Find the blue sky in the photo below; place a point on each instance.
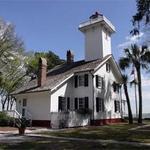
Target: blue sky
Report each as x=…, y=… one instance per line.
x=53, y=25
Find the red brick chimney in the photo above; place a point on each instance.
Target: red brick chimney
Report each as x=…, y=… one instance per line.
x=70, y=57
x=42, y=71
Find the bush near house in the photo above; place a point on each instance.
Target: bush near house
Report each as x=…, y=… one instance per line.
x=6, y=120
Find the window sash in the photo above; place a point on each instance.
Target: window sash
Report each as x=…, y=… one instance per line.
x=81, y=103
x=107, y=67
x=99, y=82
x=99, y=104
x=117, y=106
x=81, y=80
x=24, y=103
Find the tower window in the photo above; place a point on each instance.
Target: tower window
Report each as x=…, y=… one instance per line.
x=108, y=67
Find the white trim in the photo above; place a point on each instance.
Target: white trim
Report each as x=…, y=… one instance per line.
x=102, y=63
x=55, y=88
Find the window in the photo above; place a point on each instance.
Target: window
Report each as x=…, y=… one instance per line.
x=24, y=102
x=107, y=67
x=116, y=87
x=99, y=104
x=99, y=82
x=63, y=103
x=81, y=80
x=117, y=106
x=81, y=103
x=23, y=112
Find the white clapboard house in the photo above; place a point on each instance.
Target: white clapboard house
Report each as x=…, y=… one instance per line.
x=80, y=93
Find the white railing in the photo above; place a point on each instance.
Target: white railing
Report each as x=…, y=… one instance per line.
x=13, y=113
x=16, y=115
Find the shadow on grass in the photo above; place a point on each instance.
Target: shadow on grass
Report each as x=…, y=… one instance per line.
x=53, y=144
x=119, y=132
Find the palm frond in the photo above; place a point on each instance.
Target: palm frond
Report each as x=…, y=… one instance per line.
x=124, y=63
x=135, y=50
x=145, y=57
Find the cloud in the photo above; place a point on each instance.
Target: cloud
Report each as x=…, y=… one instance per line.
x=142, y=39
x=136, y=39
x=145, y=81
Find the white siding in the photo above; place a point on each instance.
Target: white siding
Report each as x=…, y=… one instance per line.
x=106, y=42
x=93, y=44
x=107, y=93
x=68, y=90
x=38, y=104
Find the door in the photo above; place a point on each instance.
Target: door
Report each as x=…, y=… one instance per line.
x=24, y=107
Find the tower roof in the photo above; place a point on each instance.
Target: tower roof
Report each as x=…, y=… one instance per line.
x=97, y=19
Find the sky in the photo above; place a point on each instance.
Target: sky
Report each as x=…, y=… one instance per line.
x=53, y=25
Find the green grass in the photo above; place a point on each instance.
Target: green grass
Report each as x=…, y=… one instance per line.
x=119, y=132
x=53, y=144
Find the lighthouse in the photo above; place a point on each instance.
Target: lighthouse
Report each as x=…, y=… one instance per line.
x=97, y=31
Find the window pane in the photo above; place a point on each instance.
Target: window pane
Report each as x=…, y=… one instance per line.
x=61, y=103
x=81, y=80
x=24, y=102
x=81, y=103
x=107, y=67
x=99, y=104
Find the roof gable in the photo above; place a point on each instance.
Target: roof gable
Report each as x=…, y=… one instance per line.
x=59, y=74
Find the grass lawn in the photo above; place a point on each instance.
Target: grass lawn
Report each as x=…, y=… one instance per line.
x=53, y=144
x=117, y=132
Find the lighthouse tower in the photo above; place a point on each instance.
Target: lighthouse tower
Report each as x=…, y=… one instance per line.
x=97, y=31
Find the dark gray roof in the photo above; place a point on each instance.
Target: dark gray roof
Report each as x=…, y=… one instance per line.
x=58, y=74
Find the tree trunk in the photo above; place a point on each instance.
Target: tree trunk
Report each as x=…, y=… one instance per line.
x=8, y=102
x=140, y=94
x=128, y=104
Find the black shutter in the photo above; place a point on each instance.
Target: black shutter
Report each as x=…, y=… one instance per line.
x=103, y=106
x=76, y=81
x=97, y=104
x=114, y=86
x=68, y=103
x=86, y=102
x=115, y=102
x=59, y=103
x=118, y=106
x=96, y=80
x=86, y=79
x=76, y=103
x=103, y=83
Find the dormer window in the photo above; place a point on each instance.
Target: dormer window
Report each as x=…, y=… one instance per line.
x=107, y=67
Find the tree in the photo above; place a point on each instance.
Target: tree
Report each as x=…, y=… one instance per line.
x=11, y=62
x=33, y=59
x=125, y=79
x=143, y=12
x=140, y=58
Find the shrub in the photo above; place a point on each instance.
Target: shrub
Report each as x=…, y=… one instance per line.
x=6, y=120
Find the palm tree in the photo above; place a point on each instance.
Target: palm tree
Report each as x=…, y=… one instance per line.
x=139, y=58
x=125, y=79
